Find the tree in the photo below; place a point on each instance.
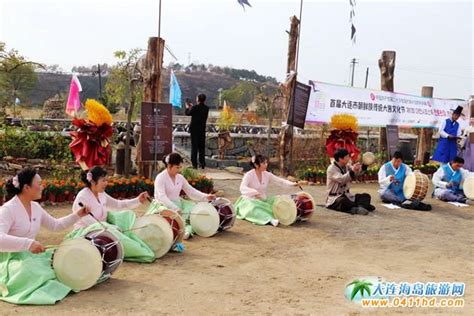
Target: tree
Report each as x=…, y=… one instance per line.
x=118, y=89
x=125, y=84
x=91, y=70
x=242, y=94
x=264, y=99
x=54, y=68
x=17, y=77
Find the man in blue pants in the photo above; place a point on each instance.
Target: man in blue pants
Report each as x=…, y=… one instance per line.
x=449, y=132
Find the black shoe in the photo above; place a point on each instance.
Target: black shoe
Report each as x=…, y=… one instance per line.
x=416, y=206
x=370, y=208
x=203, y=167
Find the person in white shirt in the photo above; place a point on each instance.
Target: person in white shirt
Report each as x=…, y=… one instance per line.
x=391, y=178
x=26, y=275
x=168, y=186
x=448, y=179
x=254, y=205
x=94, y=196
x=110, y=212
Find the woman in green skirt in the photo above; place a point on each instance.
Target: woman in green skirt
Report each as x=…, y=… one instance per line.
x=254, y=205
x=26, y=275
x=168, y=186
x=119, y=222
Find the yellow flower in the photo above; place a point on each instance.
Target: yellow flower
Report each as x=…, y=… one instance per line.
x=97, y=113
x=344, y=121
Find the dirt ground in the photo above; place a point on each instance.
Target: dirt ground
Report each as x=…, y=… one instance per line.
x=301, y=269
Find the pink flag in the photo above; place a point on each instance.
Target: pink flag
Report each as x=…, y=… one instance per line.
x=73, y=101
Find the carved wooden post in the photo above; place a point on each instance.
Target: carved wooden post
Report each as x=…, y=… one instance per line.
x=387, y=68
x=425, y=136
x=152, y=88
x=287, y=90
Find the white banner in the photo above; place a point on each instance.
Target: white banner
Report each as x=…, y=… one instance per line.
x=379, y=108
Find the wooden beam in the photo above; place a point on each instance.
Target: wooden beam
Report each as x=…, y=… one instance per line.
x=286, y=88
x=425, y=136
x=152, y=89
x=387, y=69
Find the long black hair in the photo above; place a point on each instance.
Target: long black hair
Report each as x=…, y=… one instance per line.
x=16, y=184
x=96, y=173
x=257, y=160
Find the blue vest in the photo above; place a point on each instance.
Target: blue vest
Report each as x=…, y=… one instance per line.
x=447, y=148
x=397, y=185
x=455, y=177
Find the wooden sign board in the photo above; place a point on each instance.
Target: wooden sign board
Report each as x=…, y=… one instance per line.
x=299, y=105
x=392, y=139
x=156, y=130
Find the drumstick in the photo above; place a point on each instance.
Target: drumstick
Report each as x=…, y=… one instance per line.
x=101, y=224
x=299, y=186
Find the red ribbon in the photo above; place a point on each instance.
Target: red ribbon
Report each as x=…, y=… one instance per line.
x=90, y=144
x=343, y=139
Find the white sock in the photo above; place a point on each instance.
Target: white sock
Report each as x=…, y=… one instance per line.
x=275, y=222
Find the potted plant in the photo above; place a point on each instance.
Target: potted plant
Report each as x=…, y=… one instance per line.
x=69, y=191
x=226, y=119
x=122, y=189
x=60, y=195
x=203, y=184
x=51, y=191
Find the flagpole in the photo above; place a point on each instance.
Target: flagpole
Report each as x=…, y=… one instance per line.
x=159, y=19
x=155, y=153
x=299, y=36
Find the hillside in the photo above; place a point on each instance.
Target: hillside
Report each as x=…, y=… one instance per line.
x=191, y=82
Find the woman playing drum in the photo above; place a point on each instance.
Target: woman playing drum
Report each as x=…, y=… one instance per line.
x=120, y=222
x=168, y=186
x=26, y=274
x=254, y=205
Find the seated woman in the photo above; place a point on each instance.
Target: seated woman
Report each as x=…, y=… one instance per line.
x=26, y=275
x=168, y=186
x=100, y=203
x=254, y=205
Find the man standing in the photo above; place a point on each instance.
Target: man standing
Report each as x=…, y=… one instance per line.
x=449, y=132
x=339, y=176
x=199, y=114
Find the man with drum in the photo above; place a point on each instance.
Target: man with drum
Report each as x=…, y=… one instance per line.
x=447, y=181
x=339, y=176
x=391, y=178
